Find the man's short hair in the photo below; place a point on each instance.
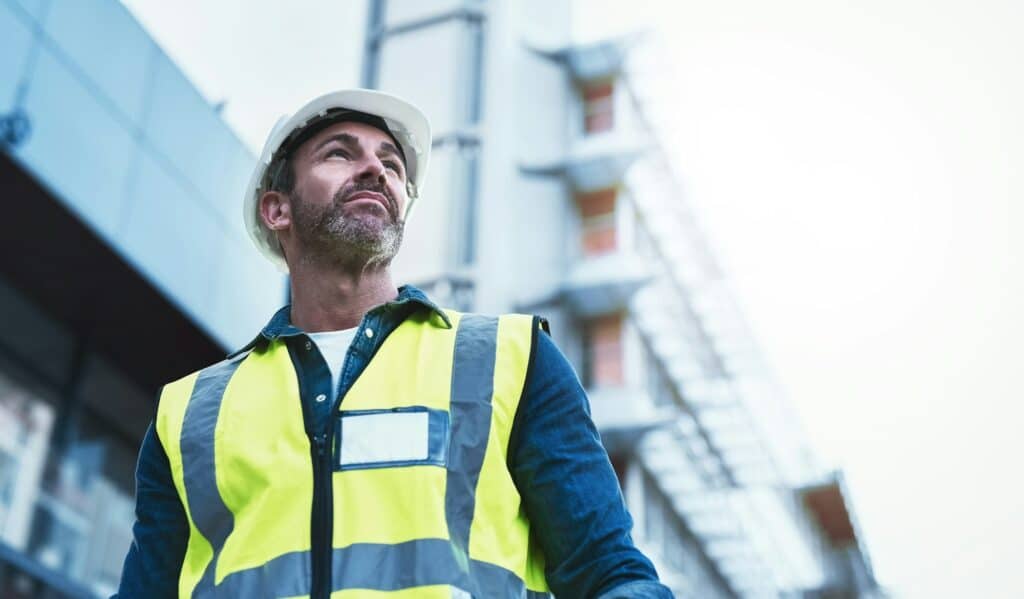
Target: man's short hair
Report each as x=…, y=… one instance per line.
x=281, y=174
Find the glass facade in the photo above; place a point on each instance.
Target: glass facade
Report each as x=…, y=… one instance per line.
x=129, y=267
x=70, y=421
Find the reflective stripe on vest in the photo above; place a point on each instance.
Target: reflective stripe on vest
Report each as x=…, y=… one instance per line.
x=213, y=519
x=465, y=564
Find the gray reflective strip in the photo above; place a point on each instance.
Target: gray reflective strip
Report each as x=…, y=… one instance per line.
x=213, y=519
x=472, y=386
x=393, y=567
x=376, y=567
x=491, y=580
x=476, y=344
x=286, y=575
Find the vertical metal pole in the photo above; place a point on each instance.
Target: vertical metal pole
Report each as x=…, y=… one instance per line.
x=476, y=70
x=374, y=38
x=473, y=104
x=470, y=200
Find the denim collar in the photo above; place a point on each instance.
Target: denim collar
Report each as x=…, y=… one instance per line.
x=280, y=324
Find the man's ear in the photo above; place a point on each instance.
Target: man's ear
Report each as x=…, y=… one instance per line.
x=276, y=210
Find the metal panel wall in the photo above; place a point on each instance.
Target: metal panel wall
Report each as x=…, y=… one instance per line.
x=116, y=131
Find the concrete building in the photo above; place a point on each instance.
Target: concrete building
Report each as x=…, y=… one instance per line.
x=551, y=193
x=126, y=265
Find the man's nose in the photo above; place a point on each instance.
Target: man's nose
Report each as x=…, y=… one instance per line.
x=372, y=169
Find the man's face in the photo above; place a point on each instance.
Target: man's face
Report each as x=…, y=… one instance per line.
x=349, y=196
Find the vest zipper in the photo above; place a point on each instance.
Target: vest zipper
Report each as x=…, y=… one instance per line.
x=322, y=515
x=322, y=543
x=320, y=550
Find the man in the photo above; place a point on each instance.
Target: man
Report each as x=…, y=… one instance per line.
x=366, y=439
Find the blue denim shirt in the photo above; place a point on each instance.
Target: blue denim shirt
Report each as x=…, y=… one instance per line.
x=556, y=459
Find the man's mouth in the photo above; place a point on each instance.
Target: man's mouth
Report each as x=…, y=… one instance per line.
x=369, y=195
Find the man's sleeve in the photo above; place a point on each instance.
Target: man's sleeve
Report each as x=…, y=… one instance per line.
x=569, y=488
x=160, y=533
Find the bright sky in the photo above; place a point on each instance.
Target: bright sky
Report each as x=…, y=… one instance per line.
x=858, y=166
x=263, y=58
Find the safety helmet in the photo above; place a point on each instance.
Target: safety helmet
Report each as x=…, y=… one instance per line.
x=406, y=123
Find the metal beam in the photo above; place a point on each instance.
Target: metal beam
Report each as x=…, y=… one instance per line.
x=469, y=14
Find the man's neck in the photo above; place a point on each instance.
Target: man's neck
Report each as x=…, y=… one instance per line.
x=331, y=300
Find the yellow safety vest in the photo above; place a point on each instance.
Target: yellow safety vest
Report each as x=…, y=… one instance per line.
x=418, y=489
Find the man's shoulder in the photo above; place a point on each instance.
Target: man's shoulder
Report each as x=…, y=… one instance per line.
x=222, y=367
x=507, y=325
x=526, y=316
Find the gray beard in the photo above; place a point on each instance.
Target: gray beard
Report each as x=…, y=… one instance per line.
x=329, y=237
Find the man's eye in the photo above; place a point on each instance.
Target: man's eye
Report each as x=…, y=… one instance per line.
x=393, y=166
x=338, y=152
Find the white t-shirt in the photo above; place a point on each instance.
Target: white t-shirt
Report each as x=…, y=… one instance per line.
x=333, y=345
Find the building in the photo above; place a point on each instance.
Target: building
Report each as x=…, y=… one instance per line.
x=124, y=265
x=548, y=193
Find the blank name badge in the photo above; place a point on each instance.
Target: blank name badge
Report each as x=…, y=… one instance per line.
x=404, y=436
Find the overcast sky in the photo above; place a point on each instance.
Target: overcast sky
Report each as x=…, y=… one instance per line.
x=858, y=168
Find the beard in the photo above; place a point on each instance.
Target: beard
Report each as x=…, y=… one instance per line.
x=349, y=241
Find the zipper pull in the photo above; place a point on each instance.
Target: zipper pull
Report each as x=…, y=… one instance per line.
x=321, y=444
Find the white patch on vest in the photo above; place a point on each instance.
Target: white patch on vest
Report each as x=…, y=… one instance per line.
x=386, y=437
x=458, y=593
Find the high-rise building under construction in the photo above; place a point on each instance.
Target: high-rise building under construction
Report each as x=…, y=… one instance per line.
x=552, y=192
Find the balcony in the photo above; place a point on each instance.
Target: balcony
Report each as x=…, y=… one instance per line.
x=623, y=414
x=595, y=60
x=594, y=161
x=604, y=283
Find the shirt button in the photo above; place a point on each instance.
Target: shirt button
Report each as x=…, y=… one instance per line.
x=369, y=333
x=309, y=345
x=321, y=398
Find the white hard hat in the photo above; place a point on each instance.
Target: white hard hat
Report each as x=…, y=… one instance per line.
x=407, y=124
